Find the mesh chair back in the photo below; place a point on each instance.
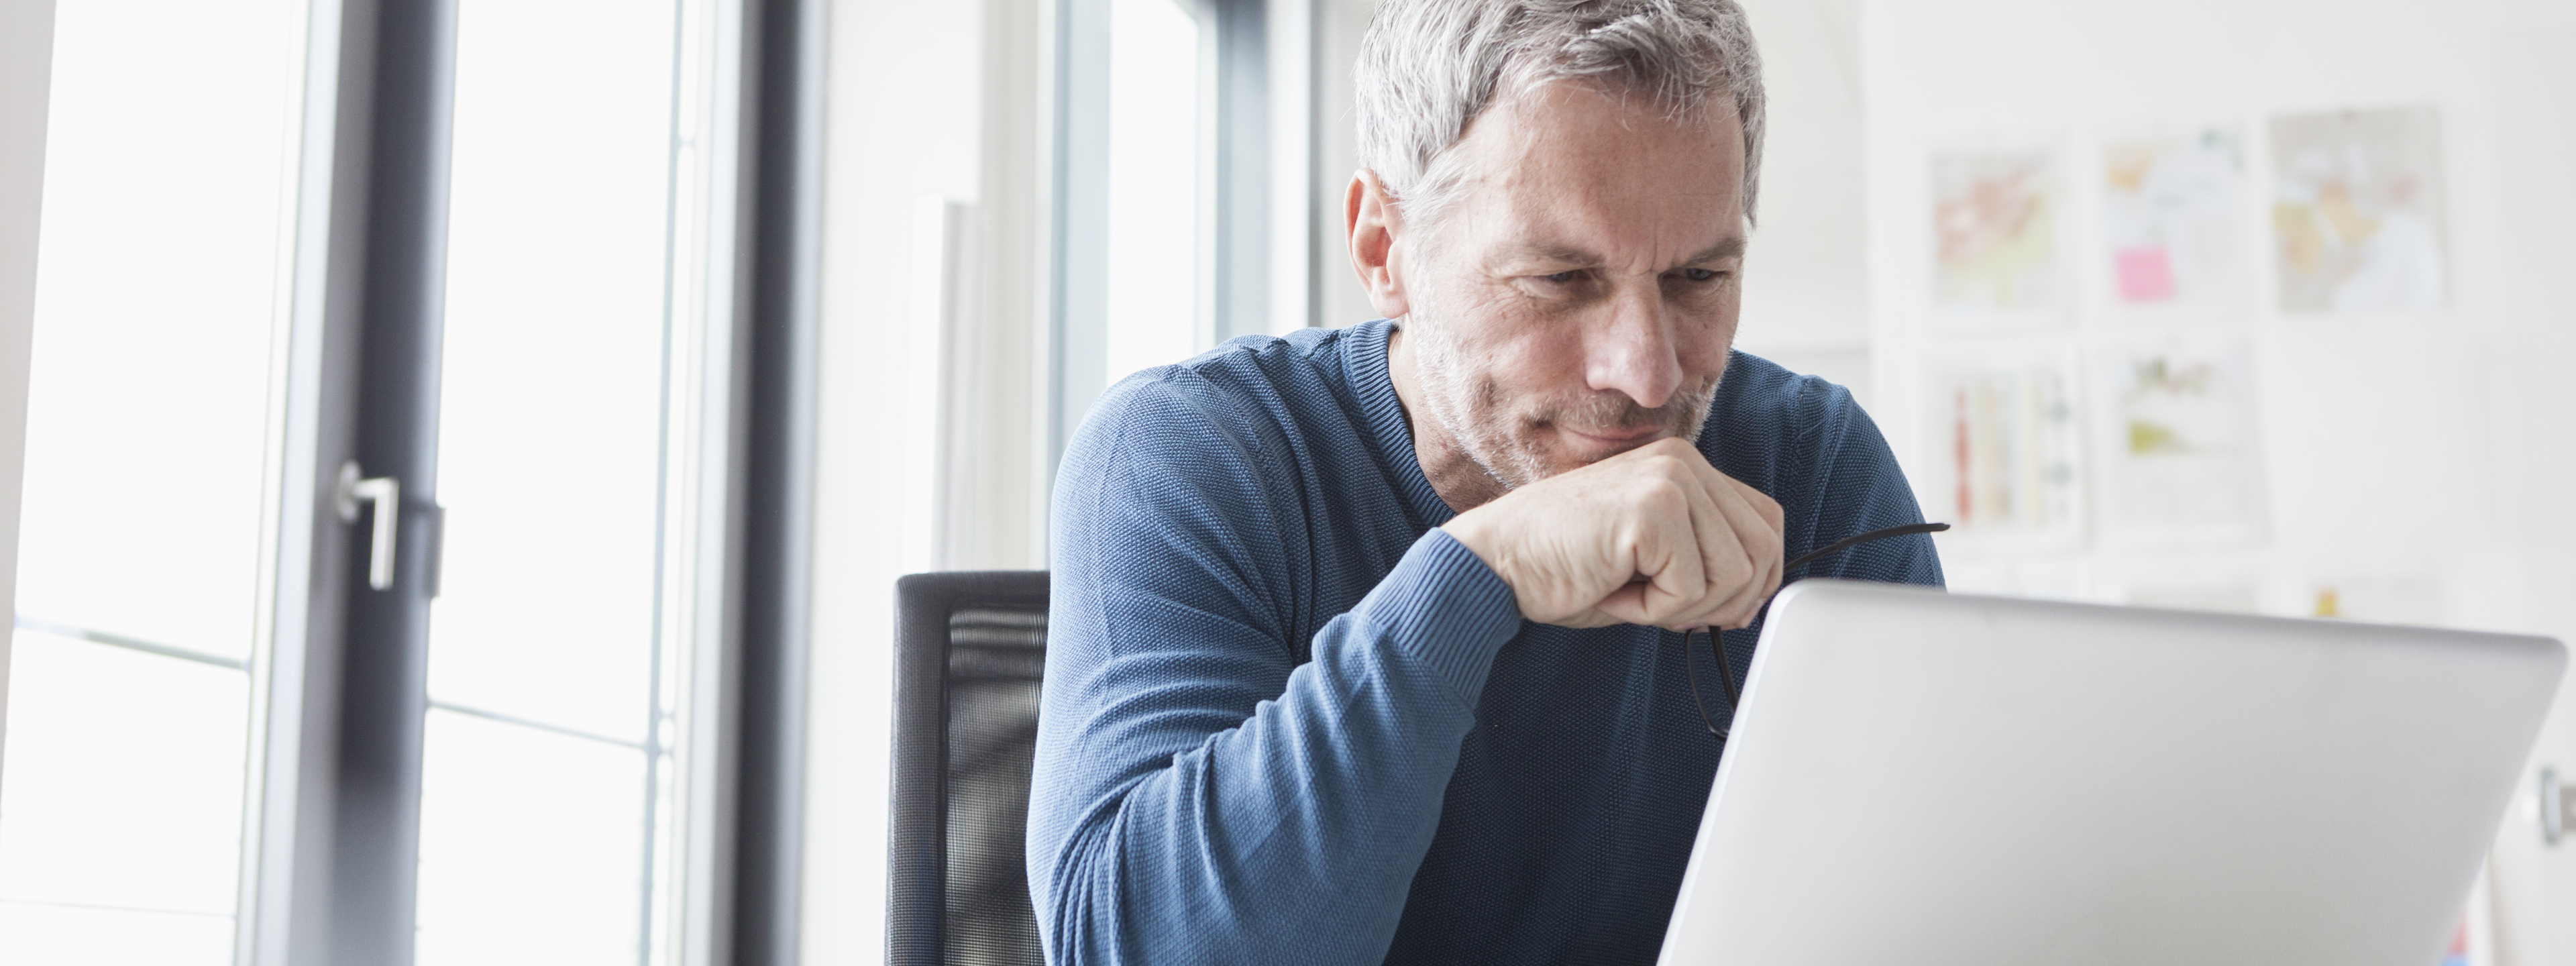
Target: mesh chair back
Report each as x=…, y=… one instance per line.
x=970, y=650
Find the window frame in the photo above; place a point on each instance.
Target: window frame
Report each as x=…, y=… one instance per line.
x=1255, y=59
x=330, y=843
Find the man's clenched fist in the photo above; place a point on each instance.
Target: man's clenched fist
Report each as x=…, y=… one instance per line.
x=1651, y=536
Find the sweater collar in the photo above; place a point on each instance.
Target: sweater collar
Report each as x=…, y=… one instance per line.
x=1389, y=434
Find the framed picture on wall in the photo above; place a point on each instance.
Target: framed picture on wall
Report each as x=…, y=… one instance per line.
x=1997, y=237
x=2357, y=211
x=2004, y=445
x=2180, y=460
x=2170, y=240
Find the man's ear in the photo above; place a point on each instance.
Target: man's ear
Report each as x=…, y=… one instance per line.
x=1373, y=222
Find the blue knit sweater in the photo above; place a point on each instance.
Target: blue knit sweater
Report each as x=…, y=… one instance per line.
x=1288, y=721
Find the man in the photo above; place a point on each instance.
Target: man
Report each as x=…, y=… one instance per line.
x=1365, y=643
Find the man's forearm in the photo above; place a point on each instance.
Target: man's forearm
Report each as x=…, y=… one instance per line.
x=1302, y=826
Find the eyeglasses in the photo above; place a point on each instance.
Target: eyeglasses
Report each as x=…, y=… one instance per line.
x=1725, y=671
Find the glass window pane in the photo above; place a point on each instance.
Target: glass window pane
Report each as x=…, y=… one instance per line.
x=161, y=270
x=125, y=779
x=167, y=180
x=529, y=847
x=1154, y=265
x=538, y=805
x=81, y=936
x=550, y=406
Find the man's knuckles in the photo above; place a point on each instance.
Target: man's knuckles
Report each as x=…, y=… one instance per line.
x=1661, y=497
x=1642, y=501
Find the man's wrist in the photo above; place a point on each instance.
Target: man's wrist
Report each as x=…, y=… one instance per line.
x=1443, y=607
x=1471, y=531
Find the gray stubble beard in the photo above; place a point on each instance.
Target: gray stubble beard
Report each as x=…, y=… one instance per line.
x=1452, y=397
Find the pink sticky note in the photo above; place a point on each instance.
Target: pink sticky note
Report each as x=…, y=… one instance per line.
x=2146, y=274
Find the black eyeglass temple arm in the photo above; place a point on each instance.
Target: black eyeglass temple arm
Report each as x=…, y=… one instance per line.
x=1716, y=651
x=1847, y=543
x=1691, y=672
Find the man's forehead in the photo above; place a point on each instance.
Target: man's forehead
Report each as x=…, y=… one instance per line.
x=1567, y=173
x=1574, y=123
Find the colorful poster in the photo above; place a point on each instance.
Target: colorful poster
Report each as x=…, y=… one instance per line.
x=2172, y=217
x=2181, y=462
x=2357, y=210
x=2007, y=451
x=1994, y=227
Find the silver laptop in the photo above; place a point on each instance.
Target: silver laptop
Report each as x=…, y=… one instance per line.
x=1927, y=778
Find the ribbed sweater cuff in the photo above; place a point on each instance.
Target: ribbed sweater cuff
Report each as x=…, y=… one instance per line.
x=1444, y=608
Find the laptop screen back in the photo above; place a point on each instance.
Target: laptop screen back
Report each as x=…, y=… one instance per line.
x=1924, y=778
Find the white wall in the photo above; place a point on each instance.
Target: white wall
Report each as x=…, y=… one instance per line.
x=2535, y=434
x=923, y=99
x=26, y=70
x=1806, y=282
x=2429, y=446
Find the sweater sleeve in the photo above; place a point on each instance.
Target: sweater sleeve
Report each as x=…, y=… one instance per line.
x=1199, y=794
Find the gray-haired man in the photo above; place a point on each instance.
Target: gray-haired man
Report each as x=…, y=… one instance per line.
x=1364, y=645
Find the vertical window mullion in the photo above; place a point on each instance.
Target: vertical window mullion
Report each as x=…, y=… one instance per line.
x=384, y=662
x=283, y=905
x=781, y=244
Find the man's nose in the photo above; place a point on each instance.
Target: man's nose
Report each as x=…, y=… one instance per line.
x=1631, y=350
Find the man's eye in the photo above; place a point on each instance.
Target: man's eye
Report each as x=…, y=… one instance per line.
x=1699, y=274
x=1561, y=278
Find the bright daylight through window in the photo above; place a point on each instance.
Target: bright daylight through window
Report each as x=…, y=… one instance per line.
x=566, y=774
x=1158, y=210
x=554, y=671
x=146, y=550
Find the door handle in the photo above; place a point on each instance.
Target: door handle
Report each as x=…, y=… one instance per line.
x=386, y=493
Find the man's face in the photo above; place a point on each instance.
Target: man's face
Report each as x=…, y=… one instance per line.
x=1578, y=299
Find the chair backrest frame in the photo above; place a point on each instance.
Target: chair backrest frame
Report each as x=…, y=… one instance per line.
x=918, y=834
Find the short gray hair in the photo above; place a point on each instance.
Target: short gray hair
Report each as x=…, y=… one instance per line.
x=1428, y=68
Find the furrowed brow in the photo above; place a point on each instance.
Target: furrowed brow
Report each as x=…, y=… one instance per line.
x=1725, y=248
x=1551, y=254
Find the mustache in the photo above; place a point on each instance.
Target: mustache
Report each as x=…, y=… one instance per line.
x=1612, y=412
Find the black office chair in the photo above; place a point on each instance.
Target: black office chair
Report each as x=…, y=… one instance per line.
x=970, y=649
